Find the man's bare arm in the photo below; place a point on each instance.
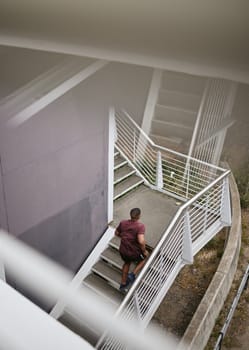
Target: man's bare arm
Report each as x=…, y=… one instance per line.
x=117, y=233
x=142, y=243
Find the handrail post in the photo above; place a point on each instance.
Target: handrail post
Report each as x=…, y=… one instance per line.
x=112, y=137
x=134, y=145
x=187, y=250
x=188, y=178
x=226, y=216
x=159, y=171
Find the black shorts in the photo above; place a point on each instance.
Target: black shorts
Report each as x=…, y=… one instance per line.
x=135, y=259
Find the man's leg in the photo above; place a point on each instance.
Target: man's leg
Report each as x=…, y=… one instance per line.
x=139, y=266
x=125, y=270
x=133, y=274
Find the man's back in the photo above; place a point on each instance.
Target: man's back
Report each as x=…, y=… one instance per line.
x=129, y=230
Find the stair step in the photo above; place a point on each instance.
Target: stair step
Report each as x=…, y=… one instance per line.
x=175, y=115
x=169, y=129
x=159, y=140
x=122, y=173
x=126, y=186
x=174, y=143
x=112, y=256
x=170, y=124
x=179, y=99
x=103, y=289
x=114, y=242
x=108, y=272
x=119, y=161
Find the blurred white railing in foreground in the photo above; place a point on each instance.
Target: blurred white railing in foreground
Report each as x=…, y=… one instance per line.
x=203, y=188
x=24, y=326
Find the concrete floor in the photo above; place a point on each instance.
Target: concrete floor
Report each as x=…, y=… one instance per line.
x=157, y=211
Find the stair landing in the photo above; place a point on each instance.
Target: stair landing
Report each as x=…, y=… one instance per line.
x=157, y=211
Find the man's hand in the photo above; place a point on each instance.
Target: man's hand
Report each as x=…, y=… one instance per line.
x=145, y=253
x=117, y=233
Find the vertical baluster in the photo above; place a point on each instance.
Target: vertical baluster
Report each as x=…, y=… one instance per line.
x=188, y=178
x=225, y=203
x=137, y=308
x=187, y=249
x=159, y=171
x=134, y=146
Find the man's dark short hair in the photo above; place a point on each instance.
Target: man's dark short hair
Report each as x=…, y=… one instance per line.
x=135, y=213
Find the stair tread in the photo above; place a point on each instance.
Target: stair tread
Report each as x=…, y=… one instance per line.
x=125, y=185
x=179, y=92
x=179, y=99
x=177, y=108
x=173, y=139
x=172, y=114
x=108, y=272
x=118, y=160
x=170, y=129
x=113, y=257
x=103, y=288
x=114, y=242
x=170, y=123
x=122, y=172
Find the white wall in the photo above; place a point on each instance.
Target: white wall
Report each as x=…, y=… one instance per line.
x=19, y=66
x=55, y=165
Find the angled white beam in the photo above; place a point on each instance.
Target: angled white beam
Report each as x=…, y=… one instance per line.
x=111, y=164
x=52, y=95
x=151, y=100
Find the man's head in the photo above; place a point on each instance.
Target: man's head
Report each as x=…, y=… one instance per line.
x=135, y=213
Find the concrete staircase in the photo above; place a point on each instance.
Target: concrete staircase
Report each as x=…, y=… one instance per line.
x=125, y=178
x=105, y=275
x=176, y=110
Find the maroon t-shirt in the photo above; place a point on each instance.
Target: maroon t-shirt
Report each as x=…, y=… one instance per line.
x=129, y=230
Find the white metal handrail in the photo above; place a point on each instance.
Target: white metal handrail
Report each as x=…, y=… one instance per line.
x=162, y=168
x=204, y=213
x=52, y=281
x=213, y=120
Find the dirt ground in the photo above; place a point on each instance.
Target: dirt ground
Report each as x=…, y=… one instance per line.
x=183, y=298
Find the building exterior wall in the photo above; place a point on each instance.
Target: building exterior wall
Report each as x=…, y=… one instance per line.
x=19, y=66
x=54, y=165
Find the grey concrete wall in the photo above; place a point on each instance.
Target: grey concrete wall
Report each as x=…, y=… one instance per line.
x=19, y=66
x=55, y=164
x=203, y=321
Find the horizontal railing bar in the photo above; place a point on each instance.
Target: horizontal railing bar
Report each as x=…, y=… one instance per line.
x=167, y=149
x=196, y=182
